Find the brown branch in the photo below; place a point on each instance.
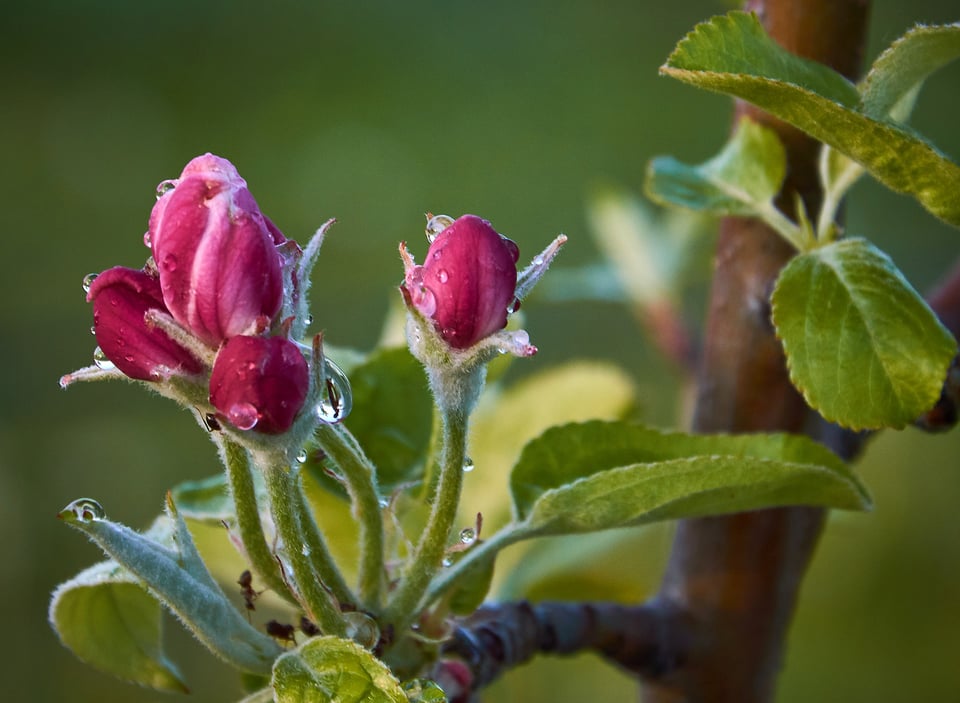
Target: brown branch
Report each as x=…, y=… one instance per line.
x=737, y=577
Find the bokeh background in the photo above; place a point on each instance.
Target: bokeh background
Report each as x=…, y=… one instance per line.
x=374, y=112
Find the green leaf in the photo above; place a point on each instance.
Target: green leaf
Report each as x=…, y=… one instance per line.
x=596, y=475
x=391, y=418
x=208, y=500
x=862, y=346
x=742, y=179
x=334, y=670
x=895, y=79
x=471, y=591
x=177, y=577
x=109, y=621
x=732, y=54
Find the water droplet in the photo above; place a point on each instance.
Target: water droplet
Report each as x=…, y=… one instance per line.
x=101, y=361
x=308, y=321
x=88, y=281
x=443, y=276
x=165, y=187
x=305, y=550
x=468, y=464
x=424, y=691
x=170, y=263
x=538, y=260
x=146, y=240
x=514, y=306
x=93, y=330
x=336, y=400
x=447, y=561
x=84, y=510
x=468, y=535
x=501, y=350
x=302, y=456
x=243, y=416
x=383, y=503
x=436, y=224
x=361, y=628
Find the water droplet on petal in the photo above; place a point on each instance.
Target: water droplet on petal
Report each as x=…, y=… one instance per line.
x=101, y=361
x=468, y=535
x=336, y=400
x=93, y=330
x=165, y=187
x=146, y=240
x=426, y=302
x=443, y=276
x=468, y=464
x=424, y=691
x=243, y=416
x=361, y=628
x=436, y=224
x=169, y=263
x=88, y=281
x=84, y=510
x=302, y=456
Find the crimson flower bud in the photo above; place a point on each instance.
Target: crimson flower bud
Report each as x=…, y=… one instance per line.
x=220, y=271
x=259, y=382
x=121, y=298
x=467, y=282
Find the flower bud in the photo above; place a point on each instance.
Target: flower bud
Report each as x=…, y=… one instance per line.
x=220, y=271
x=121, y=298
x=466, y=283
x=259, y=383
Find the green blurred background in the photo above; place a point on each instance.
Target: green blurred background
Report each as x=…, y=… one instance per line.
x=374, y=112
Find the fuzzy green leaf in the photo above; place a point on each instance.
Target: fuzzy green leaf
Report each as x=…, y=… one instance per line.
x=732, y=54
x=177, y=577
x=895, y=79
x=742, y=179
x=862, y=346
x=109, y=621
x=597, y=475
x=334, y=670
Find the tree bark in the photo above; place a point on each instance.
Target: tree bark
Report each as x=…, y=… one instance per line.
x=736, y=578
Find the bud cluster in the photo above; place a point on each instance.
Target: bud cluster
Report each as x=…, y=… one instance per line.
x=215, y=303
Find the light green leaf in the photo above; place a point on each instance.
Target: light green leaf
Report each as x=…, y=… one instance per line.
x=208, y=500
x=334, y=670
x=895, y=79
x=109, y=621
x=176, y=576
x=862, y=346
x=732, y=54
x=644, y=475
x=742, y=179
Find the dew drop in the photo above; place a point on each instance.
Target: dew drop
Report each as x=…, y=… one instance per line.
x=468, y=464
x=83, y=510
x=383, y=503
x=361, y=628
x=435, y=225
x=88, y=281
x=468, y=535
x=170, y=263
x=93, y=330
x=336, y=400
x=147, y=242
x=165, y=187
x=243, y=416
x=305, y=550
x=443, y=276
x=302, y=456
x=447, y=561
x=424, y=691
x=513, y=307
x=308, y=321
x=538, y=260
x=101, y=361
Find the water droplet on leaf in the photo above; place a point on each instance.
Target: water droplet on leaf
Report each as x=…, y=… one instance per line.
x=468, y=535
x=424, y=691
x=302, y=456
x=336, y=400
x=83, y=510
x=468, y=464
x=101, y=361
x=447, y=561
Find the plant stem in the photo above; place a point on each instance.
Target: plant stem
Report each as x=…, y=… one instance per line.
x=342, y=447
x=428, y=555
x=237, y=462
x=318, y=603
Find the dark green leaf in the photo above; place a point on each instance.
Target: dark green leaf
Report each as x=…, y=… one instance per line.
x=334, y=670
x=862, y=346
x=732, y=54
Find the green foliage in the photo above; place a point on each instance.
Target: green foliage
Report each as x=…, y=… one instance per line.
x=334, y=670
x=598, y=475
x=108, y=620
x=863, y=347
x=208, y=500
x=732, y=54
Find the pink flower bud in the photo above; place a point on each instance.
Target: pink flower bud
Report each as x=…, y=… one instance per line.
x=466, y=283
x=259, y=382
x=121, y=298
x=216, y=253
